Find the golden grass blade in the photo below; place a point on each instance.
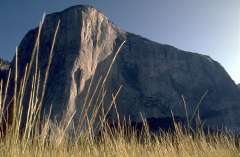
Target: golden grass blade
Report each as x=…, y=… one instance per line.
x=197, y=107
x=49, y=62
x=186, y=112
x=113, y=60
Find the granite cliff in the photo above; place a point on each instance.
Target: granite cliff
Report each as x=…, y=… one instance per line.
x=153, y=76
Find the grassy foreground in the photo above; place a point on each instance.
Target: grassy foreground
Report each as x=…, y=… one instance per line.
x=164, y=146
x=40, y=139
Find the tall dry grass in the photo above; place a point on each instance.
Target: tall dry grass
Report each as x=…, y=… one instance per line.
x=38, y=137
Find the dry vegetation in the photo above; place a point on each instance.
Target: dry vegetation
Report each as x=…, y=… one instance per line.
x=42, y=140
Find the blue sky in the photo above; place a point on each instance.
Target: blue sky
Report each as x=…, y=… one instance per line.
x=210, y=27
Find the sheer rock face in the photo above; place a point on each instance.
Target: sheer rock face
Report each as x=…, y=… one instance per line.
x=154, y=76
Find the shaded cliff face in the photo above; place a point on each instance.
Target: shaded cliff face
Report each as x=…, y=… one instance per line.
x=154, y=76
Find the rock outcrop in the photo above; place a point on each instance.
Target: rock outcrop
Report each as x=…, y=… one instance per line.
x=154, y=76
x=4, y=66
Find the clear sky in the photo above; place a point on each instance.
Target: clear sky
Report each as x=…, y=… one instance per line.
x=210, y=27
